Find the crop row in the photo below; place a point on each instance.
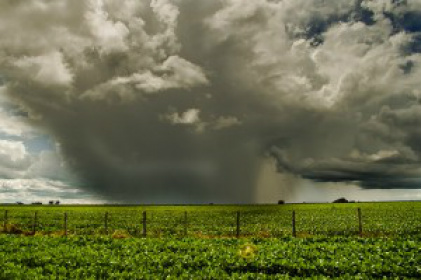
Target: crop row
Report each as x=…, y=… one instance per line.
x=85, y=257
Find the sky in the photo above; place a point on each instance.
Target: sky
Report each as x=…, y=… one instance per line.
x=223, y=101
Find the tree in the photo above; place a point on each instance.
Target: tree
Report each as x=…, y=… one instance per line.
x=341, y=200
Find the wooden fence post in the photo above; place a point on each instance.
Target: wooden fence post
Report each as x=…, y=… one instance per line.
x=106, y=222
x=144, y=223
x=185, y=223
x=360, y=223
x=65, y=223
x=136, y=227
x=34, y=226
x=294, y=231
x=5, y=220
x=238, y=224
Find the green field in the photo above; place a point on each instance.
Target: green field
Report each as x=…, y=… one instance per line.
x=378, y=219
x=105, y=242
x=85, y=257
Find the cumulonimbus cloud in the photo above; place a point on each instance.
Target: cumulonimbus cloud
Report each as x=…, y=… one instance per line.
x=180, y=100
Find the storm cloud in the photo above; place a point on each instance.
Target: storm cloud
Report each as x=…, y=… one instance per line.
x=183, y=101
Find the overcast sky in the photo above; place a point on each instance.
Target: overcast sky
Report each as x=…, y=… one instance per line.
x=196, y=101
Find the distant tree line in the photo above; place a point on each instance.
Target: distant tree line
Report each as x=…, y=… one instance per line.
x=51, y=202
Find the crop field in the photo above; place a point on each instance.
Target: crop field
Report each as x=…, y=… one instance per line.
x=89, y=257
x=212, y=242
x=377, y=219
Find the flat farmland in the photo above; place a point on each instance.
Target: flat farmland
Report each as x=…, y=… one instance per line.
x=212, y=242
x=377, y=219
x=103, y=257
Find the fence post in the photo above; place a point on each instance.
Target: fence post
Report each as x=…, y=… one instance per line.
x=360, y=223
x=294, y=231
x=185, y=223
x=238, y=224
x=34, y=226
x=65, y=223
x=106, y=222
x=144, y=223
x=137, y=227
x=5, y=220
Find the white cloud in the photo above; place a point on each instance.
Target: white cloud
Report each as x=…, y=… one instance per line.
x=166, y=12
x=47, y=69
x=125, y=10
x=380, y=155
x=190, y=116
x=14, y=150
x=43, y=190
x=13, y=125
x=71, y=48
x=37, y=177
x=372, y=58
x=379, y=6
x=109, y=36
x=224, y=122
x=174, y=73
x=14, y=159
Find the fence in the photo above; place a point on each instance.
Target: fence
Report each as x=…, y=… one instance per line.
x=255, y=223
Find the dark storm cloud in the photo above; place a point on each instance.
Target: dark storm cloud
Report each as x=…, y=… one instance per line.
x=375, y=175
x=162, y=101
